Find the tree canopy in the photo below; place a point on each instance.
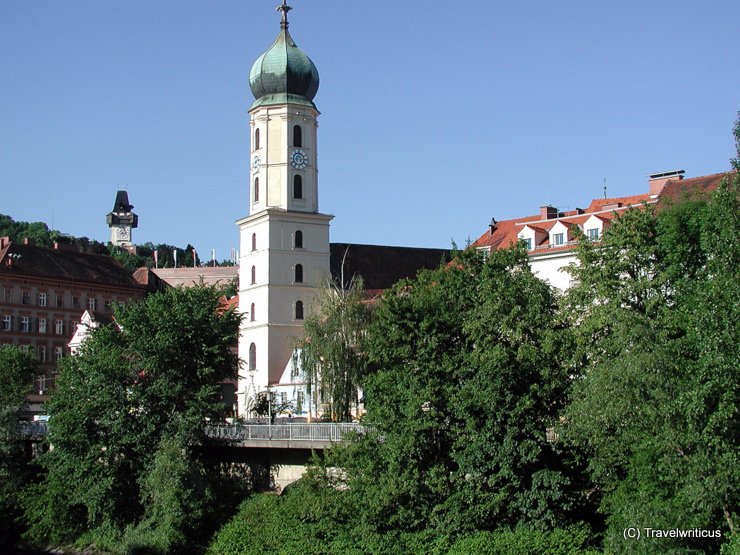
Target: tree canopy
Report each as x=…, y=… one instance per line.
x=128, y=407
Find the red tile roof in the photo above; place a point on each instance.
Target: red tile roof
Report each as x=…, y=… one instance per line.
x=505, y=232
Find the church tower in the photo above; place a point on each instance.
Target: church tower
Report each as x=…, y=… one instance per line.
x=284, y=242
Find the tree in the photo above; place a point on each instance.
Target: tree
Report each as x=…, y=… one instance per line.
x=464, y=381
x=150, y=376
x=17, y=370
x=654, y=317
x=331, y=358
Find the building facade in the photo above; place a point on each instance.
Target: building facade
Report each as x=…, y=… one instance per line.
x=551, y=235
x=43, y=294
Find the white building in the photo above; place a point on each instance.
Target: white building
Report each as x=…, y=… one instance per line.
x=550, y=236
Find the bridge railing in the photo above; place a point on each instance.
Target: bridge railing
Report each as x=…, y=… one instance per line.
x=33, y=430
x=332, y=432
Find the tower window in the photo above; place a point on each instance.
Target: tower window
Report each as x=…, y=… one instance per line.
x=298, y=240
x=298, y=273
x=254, y=241
x=297, y=135
x=299, y=310
x=254, y=275
x=252, y=357
x=297, y=186
x=256, y=189
x=256, y=139
x=251, y=313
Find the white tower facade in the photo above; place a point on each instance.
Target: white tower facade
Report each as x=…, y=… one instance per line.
x=284, y=242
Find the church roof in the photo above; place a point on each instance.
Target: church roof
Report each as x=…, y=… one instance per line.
x=284, y=73
x=382, y=266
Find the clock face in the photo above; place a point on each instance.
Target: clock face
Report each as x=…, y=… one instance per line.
x=122, y=233
x=298, y=159
x=256, y=162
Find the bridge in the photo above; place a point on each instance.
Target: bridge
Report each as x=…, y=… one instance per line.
x=319, y=435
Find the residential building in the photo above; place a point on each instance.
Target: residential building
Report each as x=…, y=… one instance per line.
x=551, y=235
x=43, y=294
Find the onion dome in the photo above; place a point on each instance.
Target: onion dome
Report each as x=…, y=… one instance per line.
x=283, y=73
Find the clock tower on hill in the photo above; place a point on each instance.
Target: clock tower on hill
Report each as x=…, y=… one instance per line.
x=121, y=221
x=284, y=242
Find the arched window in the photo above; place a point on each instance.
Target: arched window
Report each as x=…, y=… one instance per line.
x=298, y=240
x=252, y=356
x=256, y=189
x=251, y=313
x=297, y=186
x=256, y=139
x=298, y=273
x=254, y=275
x=297, y=135
x=299, y=310
x=254, y=241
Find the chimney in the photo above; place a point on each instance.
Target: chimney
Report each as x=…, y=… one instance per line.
x=27, y=241
x=658, y=180
x=548, y=212
x=4, y=241
x=492, y=226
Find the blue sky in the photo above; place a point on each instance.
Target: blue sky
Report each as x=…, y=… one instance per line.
x=436, y=115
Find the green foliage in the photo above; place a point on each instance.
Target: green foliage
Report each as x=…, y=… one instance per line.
x=331, y=357
x=127, y=390
x=17, y=369
x=316, y=519
x=655, y=314
x=465, y=381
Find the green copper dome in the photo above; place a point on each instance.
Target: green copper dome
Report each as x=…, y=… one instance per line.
x=283, y=74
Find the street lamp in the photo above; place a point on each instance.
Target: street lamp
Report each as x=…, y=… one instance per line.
x=269, y=412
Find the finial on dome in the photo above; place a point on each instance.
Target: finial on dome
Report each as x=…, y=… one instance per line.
x=285, y=9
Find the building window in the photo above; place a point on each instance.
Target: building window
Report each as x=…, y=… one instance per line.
x=75, y=302
x=58, y=353
x=60, y=301
x=297, y=135
x=254, y=275
x=593, y=234
x=41, y=382
x=42, y=299
x=42, y=353
x=283, y=398
x=299, y=310
x=42, y=325
x=7, y=323
x=92, y=304
x=25, y=324
x=25, y=297
x=106, y=307
x=298, y=240
x=251, y=313
x=297, y=187
x=59, y=327
x=7, y=295
x=298, y=273
x=256, y=139
x=252, y=357
x=558, y=239
x=528, y=243
x=256, y=189
x=254, y=242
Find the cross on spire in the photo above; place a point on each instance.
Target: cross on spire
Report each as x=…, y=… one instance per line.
x=284, y=8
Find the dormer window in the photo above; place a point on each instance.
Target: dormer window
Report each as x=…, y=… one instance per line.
x=528, y=243
x=558, y=239
x=592, y=234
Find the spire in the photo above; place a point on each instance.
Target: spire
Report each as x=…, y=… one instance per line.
x=285, y=9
